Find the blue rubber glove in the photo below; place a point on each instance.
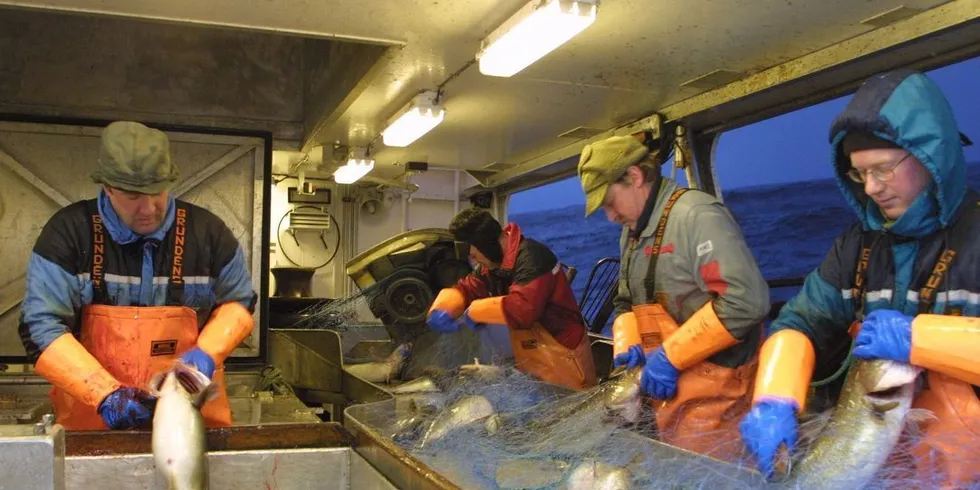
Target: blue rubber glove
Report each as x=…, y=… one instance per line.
x=767, y=426
x=126, y=408
x=466, y=320
x=885, y=334
x=200, y=360
x=441, y=321
x=632, y=358
x=659, y=378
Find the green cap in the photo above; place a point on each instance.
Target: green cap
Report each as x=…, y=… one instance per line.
x=603, y=163
x=135, y=158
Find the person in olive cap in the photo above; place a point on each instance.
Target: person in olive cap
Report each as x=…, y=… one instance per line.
x=122, y=286
x=691, y=299
x=518, y=284
x=903, y=282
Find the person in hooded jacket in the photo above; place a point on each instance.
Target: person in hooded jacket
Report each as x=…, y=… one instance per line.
x=122, y=286
x=520, y=287
x=905, y=280
x=690, y=300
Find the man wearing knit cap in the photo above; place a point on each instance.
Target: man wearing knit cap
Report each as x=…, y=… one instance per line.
x=904, y=281
x=691, y=299
x=519, y=285
x=122, y=286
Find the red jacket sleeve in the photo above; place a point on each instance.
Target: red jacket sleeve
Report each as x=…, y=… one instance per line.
x=473, y=286
x=524, y=303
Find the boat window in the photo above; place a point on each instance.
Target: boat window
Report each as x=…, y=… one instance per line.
x=776, y=178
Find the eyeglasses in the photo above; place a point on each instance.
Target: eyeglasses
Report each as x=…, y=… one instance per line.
x=881, y=173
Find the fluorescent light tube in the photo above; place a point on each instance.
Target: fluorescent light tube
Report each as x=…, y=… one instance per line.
x=534, y=31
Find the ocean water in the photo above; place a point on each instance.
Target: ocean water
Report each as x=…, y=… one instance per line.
x=789, y=228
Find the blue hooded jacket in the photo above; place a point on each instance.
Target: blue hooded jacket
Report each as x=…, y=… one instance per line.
x=909, y=110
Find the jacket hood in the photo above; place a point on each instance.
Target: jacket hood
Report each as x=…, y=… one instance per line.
x=908, y=109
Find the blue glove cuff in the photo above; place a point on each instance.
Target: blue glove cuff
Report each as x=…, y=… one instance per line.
x=200, y=360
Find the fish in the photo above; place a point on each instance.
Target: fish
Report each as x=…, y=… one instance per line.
x=382, y=371
x=528, y=474
x=462, y=412
x=620, y=397
x=596, y=475
x=874, y=406
x=178, y=435
x=420, y=385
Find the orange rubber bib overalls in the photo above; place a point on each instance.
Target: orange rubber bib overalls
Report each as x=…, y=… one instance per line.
x=127, y=345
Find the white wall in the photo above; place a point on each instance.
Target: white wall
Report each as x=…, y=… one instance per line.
x=434, y=205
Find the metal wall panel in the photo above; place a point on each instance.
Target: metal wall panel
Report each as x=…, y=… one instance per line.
x=45, y=166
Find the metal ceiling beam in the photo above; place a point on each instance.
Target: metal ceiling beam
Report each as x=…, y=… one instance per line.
x=919, y=41
x=649, y=123
x=332, y=88
x=933, y=38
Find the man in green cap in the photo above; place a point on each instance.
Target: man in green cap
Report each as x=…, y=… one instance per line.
x=691, y=299
x=123, y=286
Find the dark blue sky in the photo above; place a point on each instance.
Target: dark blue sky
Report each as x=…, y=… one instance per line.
x=789, y=148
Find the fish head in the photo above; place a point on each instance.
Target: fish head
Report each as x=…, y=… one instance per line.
x=183, y=380
x=887, y=388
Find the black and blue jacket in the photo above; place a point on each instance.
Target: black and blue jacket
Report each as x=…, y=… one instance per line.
x=908, y=109
x=86, y=255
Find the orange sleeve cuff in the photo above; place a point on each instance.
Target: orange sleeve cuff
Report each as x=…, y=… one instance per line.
x=700, y=337
x=948, y=344
x=72, y=368
x=785, y=368
x=450, y=300
x=230, y=324
x=625, y=332
x=488, y=310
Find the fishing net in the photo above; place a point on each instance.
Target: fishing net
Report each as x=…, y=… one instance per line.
x=484, y=425
x=545, y=437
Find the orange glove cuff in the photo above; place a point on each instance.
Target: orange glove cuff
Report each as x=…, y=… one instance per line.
x=785, y=368
x=625, y=333
x=488, y=310
x=70, y=367
x=948, y=344
x=450, y=300
x=700, y=337
x=230, y=324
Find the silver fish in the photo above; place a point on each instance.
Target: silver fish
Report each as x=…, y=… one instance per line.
x=381, y=371
x=874, y=405
x=179, y=443
x=420, y=385
x=462, y=412
x=529, y=473
x=596, y=475
x=620, y=396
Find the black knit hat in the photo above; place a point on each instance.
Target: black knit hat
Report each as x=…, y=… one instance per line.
x=861, y=140
x=478, y=228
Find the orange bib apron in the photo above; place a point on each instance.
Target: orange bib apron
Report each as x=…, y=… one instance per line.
x=537, y=353
x=134, y=343
x=703, y=416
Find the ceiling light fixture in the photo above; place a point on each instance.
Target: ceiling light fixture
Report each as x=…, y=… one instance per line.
x=413, y=121
x=534, y=31
x=359, y=165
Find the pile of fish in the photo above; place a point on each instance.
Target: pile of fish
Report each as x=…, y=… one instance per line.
x=437, y=416
x=848, y=452
x=179, y=442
